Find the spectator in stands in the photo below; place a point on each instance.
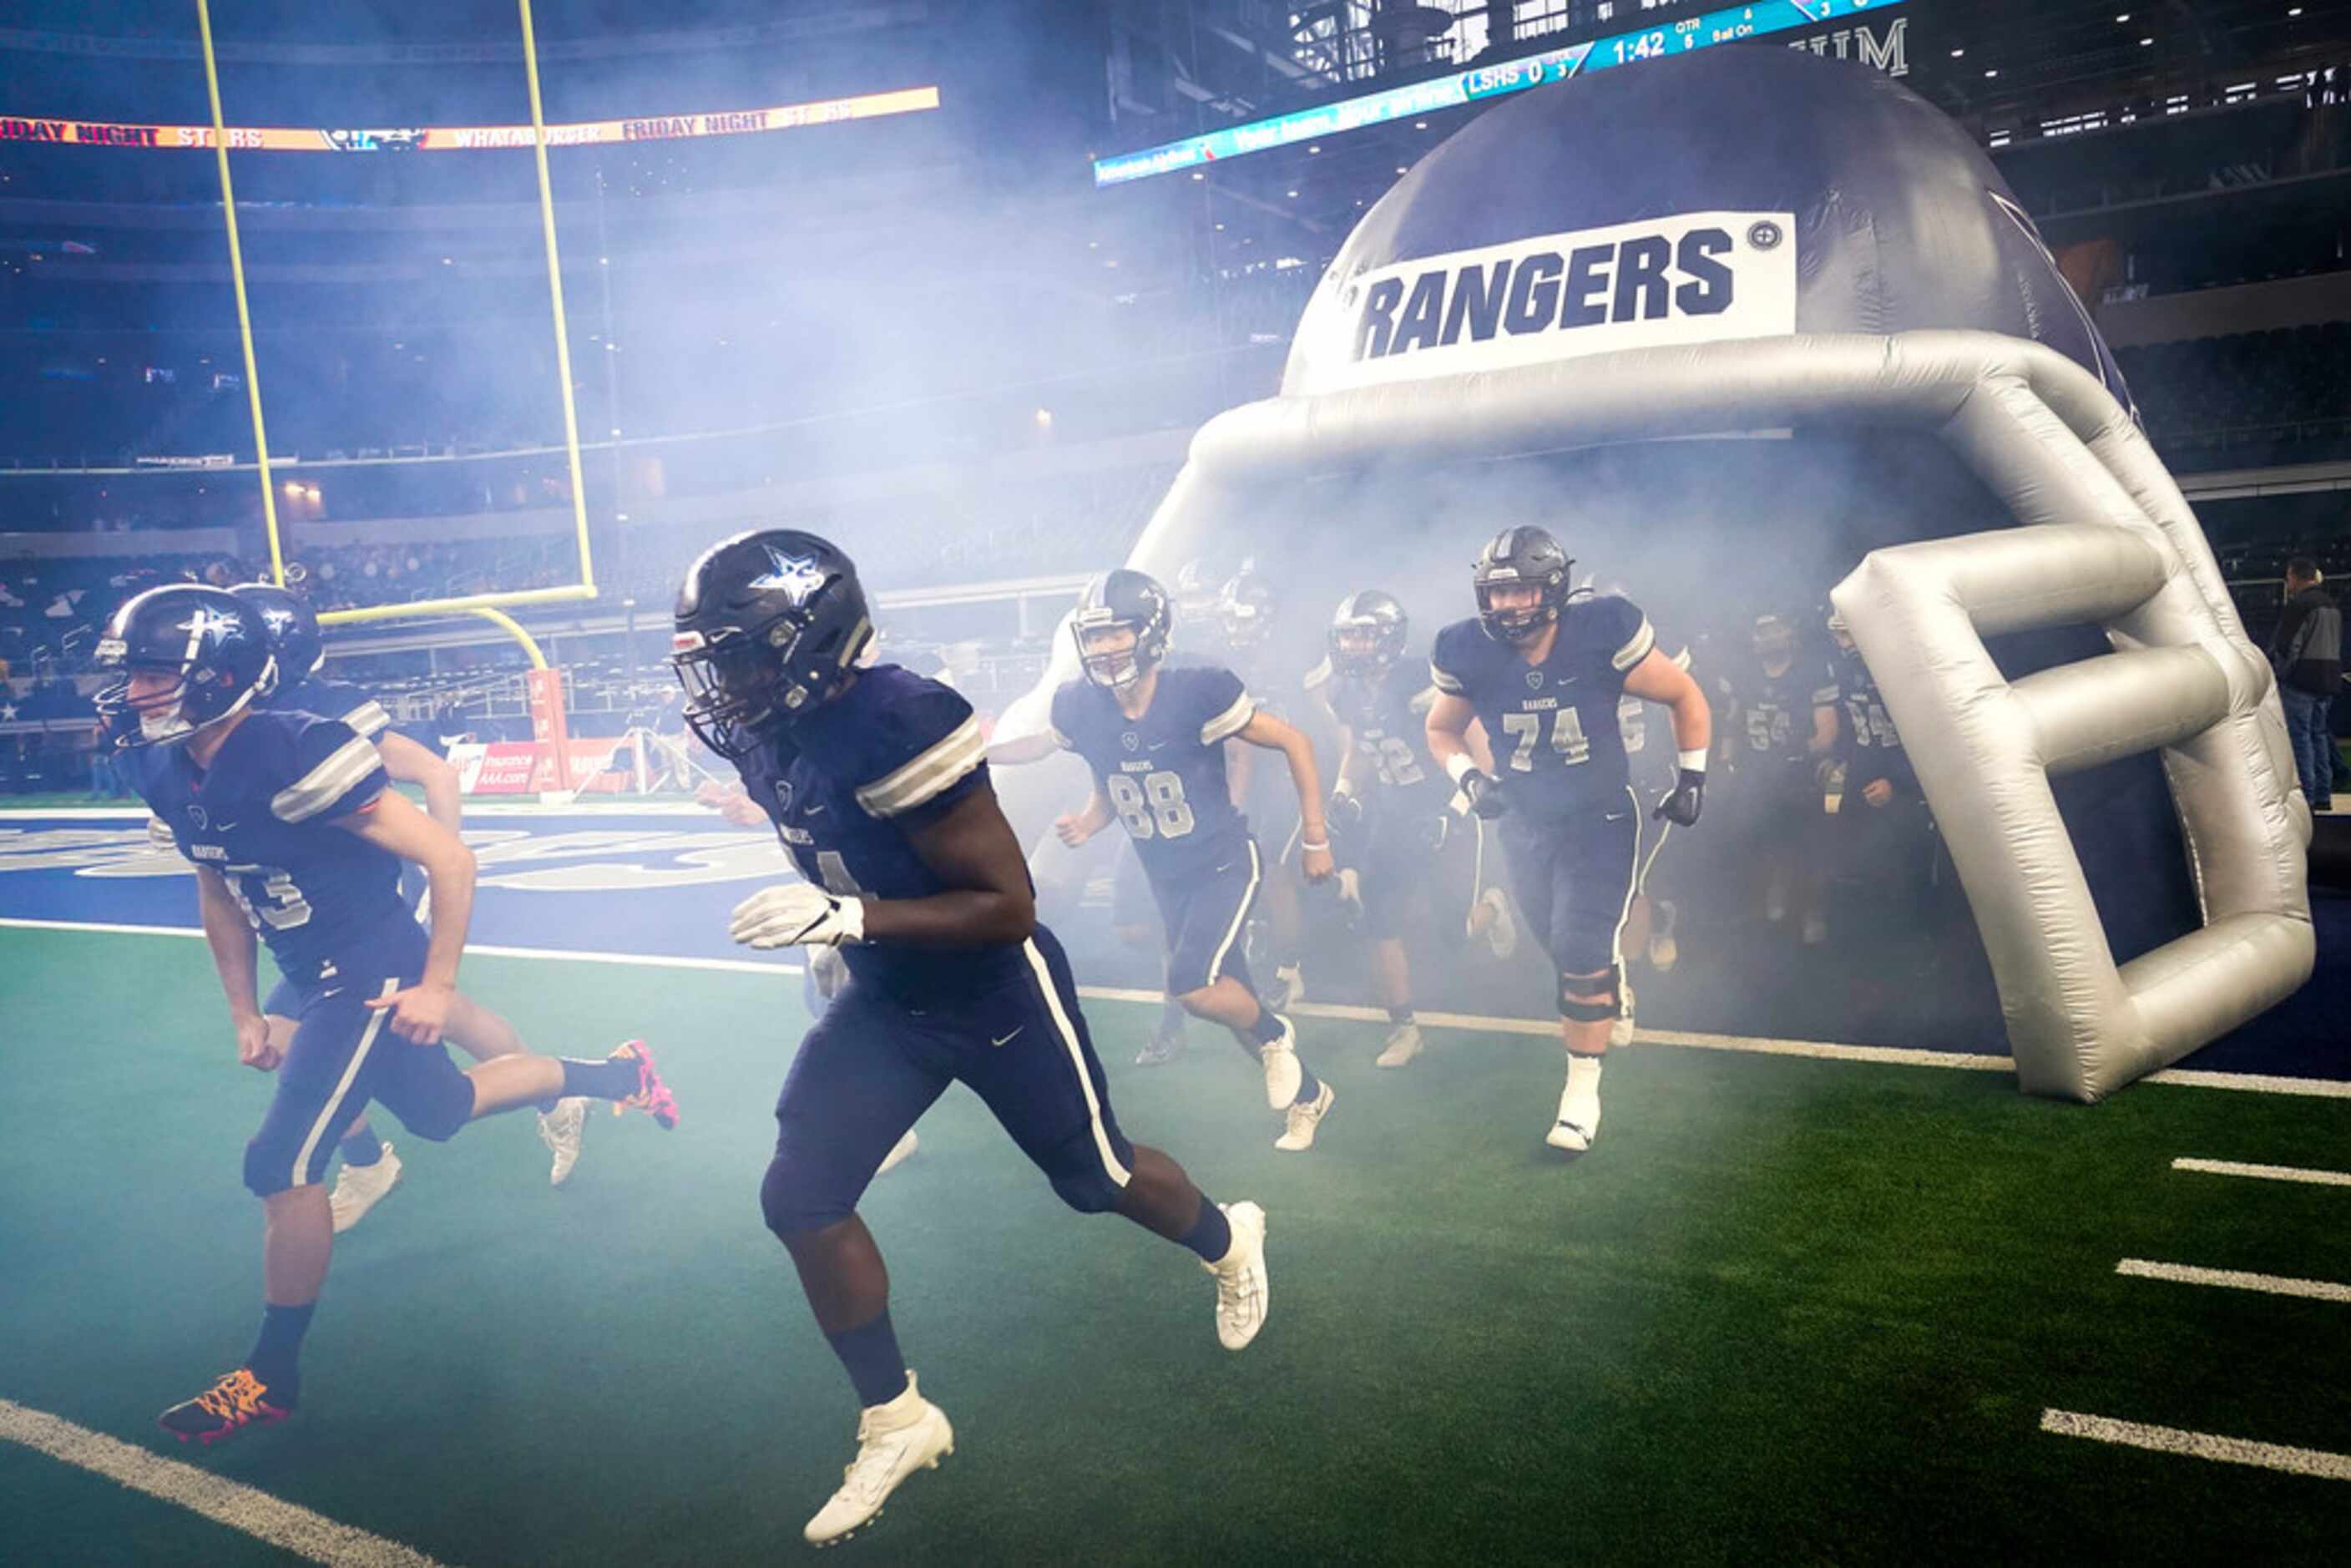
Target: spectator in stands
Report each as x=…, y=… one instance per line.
x=2306, y=651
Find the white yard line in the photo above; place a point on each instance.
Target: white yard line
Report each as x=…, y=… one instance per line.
x=283, y=1524
x=2266, y=1172
x=2198, y=1445
x=1749, y=1045
x=2234, y=1280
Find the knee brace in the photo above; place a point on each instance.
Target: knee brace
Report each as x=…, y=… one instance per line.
x=1591, y=998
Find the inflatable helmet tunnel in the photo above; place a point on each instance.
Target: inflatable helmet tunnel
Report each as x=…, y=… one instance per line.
x=1766, y=309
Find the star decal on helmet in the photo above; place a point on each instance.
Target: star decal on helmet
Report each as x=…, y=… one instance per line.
x=798, y=576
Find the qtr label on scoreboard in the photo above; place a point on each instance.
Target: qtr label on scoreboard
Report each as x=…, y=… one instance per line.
x=1696, y=278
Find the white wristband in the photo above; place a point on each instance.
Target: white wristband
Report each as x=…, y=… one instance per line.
x=1694, y=761
x=852, y=921
x=1459, y=764
x=1321, y=848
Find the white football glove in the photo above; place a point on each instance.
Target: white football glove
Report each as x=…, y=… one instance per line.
x=797, y=914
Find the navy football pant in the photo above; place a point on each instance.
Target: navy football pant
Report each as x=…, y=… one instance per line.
x=1573, y=877
x=1205, y=917
x=343, y=1055
x=873, y=1065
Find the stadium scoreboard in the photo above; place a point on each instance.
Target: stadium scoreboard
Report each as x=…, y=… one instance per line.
x=1730, y=24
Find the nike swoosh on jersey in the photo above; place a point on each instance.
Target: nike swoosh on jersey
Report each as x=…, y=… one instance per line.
x=1008, y=1038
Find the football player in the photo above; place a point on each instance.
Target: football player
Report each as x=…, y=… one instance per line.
x=1546, y=676
x=1391, y=799
x=1245, y=616
x=296, y=834
x=370, y=1166
x=1781, y=738
x=1154, y=734
x=877, y=783
x=1882, y=822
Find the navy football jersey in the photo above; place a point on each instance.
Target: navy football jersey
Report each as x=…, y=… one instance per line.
x=1870, y=746
x=845, y=784
x=1771, y=717
x=1558, y=742
x=263, y=816
x=1164, y=773
x=1643, y=722
x=1386, y=720
x=331, y=699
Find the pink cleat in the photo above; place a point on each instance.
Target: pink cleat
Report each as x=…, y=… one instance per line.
x=653, y=1096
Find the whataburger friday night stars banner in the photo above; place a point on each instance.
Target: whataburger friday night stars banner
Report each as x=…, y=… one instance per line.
x=470, y=138
x=1729, y=25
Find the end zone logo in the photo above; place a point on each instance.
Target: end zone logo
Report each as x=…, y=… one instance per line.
x=1696, y=278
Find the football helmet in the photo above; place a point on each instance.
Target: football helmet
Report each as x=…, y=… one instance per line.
x=1245, y=609
x=1197, y=590
x=1775, y=638
x=292, y=629
x=1521, y=555
x=212, y=642
x=1367, y=634
x=1128, y=599
x=769, y=624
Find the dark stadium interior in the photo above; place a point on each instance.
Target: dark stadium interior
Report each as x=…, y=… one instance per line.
x=930, y=337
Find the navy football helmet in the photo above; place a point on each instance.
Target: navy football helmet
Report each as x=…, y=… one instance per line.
x=769, y=624
x=293, y=630
x=210, y=642
x=1521, y=555
x=1367, y=634
x=1197, y=590
x=1123, y=597
x=1245, y=609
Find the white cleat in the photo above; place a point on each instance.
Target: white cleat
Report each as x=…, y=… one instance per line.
x=893, y=1441
x=1243, y=1293
x=900, y=1151
x=1403, y=1044
x=1302, y=1120
x=359, y=1188
x=561, y=1131
x=1283, y=1072
x=1620, y=1028
x=1502, y=936
x=1578, y=1124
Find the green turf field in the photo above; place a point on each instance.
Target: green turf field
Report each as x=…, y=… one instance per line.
x=1789, y=1310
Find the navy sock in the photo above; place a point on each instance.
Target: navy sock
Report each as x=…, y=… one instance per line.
x=600, y=1079
x=1309, y=1085
x=1400, y=1015
x=1267, y=1028
x=361, y=1146
x=277, y=1350
x=1211, y=1236
x=870, y=1351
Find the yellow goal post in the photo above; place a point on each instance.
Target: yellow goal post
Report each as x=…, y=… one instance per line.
x=489, y=606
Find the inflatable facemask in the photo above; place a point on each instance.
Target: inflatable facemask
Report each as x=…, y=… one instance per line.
x=1756, y=262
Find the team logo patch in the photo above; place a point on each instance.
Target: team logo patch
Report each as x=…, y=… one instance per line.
x=1534, y=680
x=783, y=794
x=798, y=576
x=1765, y=236
x=1130, y=740
x=196, y=816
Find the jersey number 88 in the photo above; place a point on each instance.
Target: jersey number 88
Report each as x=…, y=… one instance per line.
x=1155, y=806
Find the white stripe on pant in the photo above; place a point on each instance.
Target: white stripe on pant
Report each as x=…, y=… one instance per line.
x=351, y=1075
